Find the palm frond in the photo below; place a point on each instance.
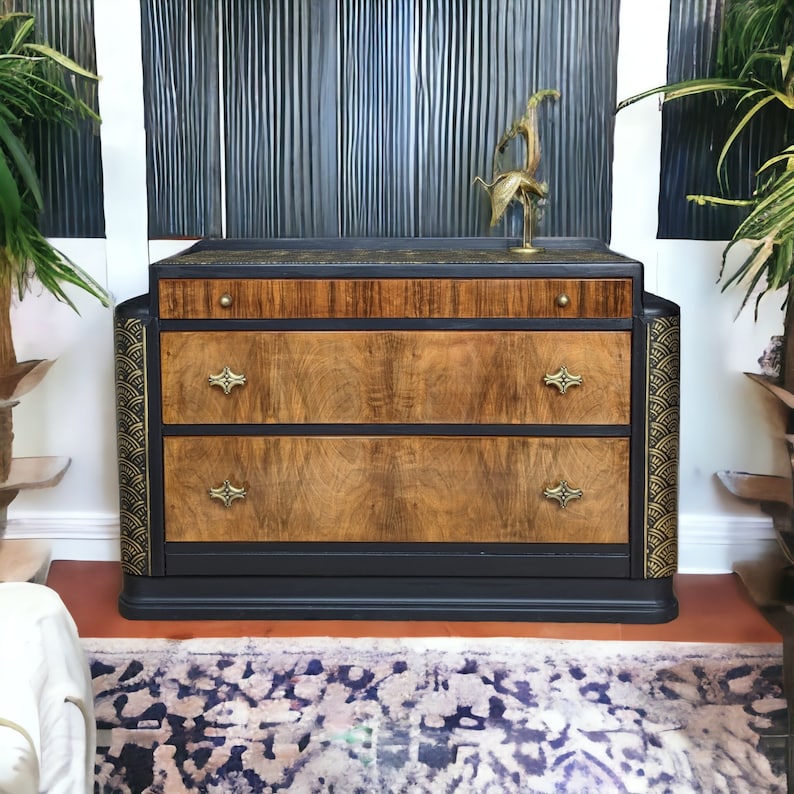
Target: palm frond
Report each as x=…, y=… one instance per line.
x=740, y=125
x=10, y=200
x=750, y=29
x=60, y=59
x=769, y=232
x=22, y=161
x=38, y=85
x=755, y=59
x=785, y=157
x=22, y=34
x=705, y=85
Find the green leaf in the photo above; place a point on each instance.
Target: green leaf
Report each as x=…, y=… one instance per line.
x=11, y=19
x=719, y=201
x=787, y=156
x=37, y=84
x=24, y=31
x=22, y=160
x=742, y=123
x=785, y=62
x=786, y=99
x=62, y=60
x=684, y=88
x=10, y=200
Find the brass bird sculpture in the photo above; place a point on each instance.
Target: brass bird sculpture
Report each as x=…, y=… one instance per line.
x=519, y=184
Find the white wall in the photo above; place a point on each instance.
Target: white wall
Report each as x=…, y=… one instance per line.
x=727, y=422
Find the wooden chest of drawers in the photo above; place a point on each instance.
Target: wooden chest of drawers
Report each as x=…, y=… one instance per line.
x=412, y=429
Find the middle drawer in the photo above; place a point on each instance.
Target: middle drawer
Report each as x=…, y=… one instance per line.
x=396, y=377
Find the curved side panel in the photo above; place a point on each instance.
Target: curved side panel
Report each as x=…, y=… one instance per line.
x=662, y=432
x=131, y=423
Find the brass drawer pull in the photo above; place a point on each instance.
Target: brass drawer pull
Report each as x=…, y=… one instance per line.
x=225, y=300
x=562, y=379
x=227, y=493
x=227, y=380
x=563, y=493
x=562, y=300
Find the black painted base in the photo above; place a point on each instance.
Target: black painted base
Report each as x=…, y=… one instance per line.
x=398, y=598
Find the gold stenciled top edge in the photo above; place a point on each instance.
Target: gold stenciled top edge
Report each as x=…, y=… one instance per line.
x=432, y=253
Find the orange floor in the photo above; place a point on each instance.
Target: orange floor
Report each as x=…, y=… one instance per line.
x=713, y=608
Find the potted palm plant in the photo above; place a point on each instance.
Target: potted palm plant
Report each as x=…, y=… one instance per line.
x=39, y=86
x=755, y=71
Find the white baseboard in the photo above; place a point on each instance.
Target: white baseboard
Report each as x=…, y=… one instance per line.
x=707, y=544
x=71, y=537
x=712, y=544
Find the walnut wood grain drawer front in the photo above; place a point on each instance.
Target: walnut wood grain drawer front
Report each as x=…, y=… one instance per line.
x=396, y=489
x=428, y=377
x=411, y=298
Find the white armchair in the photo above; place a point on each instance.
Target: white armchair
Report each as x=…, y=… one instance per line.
x=47, y=727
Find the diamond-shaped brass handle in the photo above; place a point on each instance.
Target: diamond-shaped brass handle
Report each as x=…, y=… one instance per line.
x=226, y=380
x=227, y=493
x=563, y=493
x=562, y=379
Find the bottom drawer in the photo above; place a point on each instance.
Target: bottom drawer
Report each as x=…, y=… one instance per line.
x=394, y=489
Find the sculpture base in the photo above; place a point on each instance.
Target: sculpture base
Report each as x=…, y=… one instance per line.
x=527, y=250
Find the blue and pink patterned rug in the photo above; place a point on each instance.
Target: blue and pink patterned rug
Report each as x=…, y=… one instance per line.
x=470, y=716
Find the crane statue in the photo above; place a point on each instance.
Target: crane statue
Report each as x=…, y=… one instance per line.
x=521, y=184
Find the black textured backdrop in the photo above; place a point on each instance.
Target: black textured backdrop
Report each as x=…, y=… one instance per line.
x=357, y=117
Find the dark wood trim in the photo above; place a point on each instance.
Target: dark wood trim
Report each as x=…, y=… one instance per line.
x=393, y=559
x=398, y=598
x=586, y=431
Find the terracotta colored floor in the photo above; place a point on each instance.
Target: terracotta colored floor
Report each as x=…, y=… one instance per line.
x=713, y=608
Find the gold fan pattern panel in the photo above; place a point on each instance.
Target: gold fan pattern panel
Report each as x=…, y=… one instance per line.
x=663, y=420
x=131, y=413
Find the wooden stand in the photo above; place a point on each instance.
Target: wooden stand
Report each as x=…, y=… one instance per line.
x=774, y=494
x=24, y=559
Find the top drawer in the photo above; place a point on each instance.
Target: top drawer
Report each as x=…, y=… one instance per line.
x=409, y=298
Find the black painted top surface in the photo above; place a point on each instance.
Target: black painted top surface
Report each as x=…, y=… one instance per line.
x=363, y=257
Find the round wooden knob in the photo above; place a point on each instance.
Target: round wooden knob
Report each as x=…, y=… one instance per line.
x=563, y=300
x=225, y=300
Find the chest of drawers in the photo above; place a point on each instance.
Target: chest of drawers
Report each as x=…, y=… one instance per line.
x=398, y=429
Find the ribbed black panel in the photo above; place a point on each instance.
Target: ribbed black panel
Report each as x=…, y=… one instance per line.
x=577, y=47
x=378, y=178
x=69, y=160
x=372, y=117
x=694, y=131
x=280, y=87
x=180, y=70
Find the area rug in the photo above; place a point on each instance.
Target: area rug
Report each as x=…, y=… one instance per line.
x=471, y=716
